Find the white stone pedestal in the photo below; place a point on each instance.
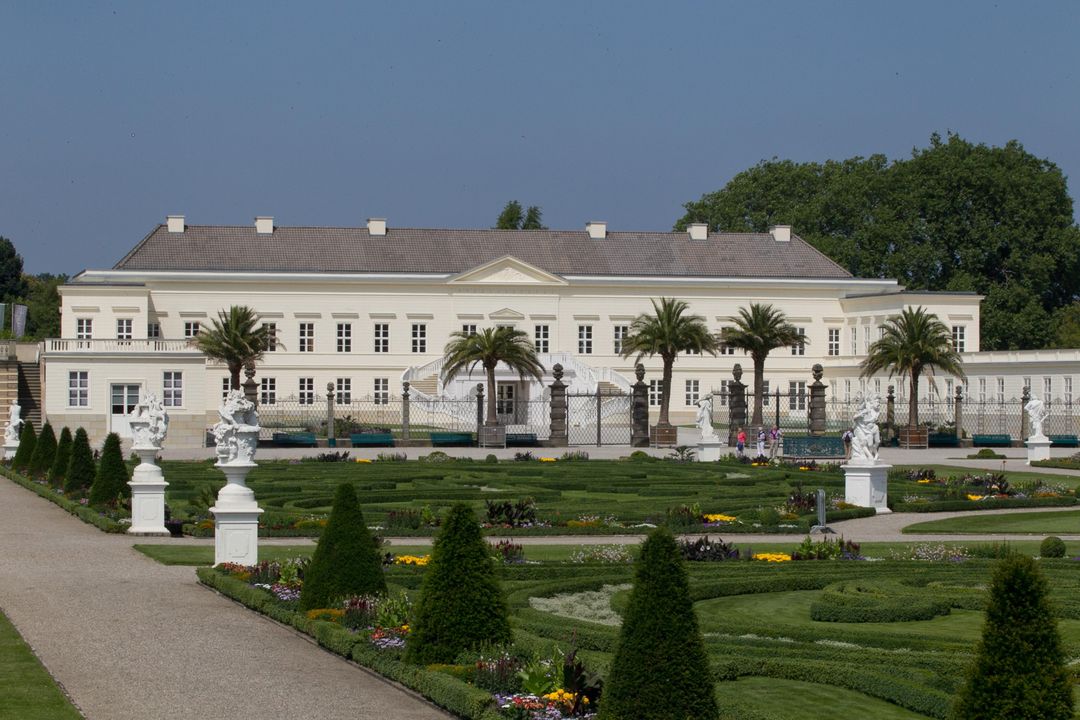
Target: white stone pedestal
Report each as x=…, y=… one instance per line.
x=709, y=450
x=1038, y=448
x=10, y=449
x=147, y=495
x=867, y=486
x=236, y=518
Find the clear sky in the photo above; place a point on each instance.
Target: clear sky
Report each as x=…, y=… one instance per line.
x=434, y=114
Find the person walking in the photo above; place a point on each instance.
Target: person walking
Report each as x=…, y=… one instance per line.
x=847, y=444
x=774, y=441
x=740, y=442
x=761, y=442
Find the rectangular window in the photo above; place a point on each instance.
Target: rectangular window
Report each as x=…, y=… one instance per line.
x=1048, y=390
x=725, y=390
x=765, y=393
x=382, y=391
x=1001, y=391
x=724, y=348
x=621, y=331
x=655, y=393
x=419, y=338
x=1067, y=393
x=1026, y=384
x=382, y=337
x=468, y=329
x=949, y=385
x=84, y=328
x=123, y=329
x=226, y=386
x=541, y=338
x=693, y=394
x=982, y=390
x=880, y=332
x=799, y=348
x=866, y=339
x=796, y=395
x=153, y=331
x=877, y=386
x=79, y=388
x=834, y=341
x=958, y=342
x=847, y=391
x=584, y=339
x=271, y=336
x=307, y=391
x=268, y=391
x=854, y=341
x=172, y=385
x=343, y=391
x=344, y=337
x=191, y=329
x=307, y=337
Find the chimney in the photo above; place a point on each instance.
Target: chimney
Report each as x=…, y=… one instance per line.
x=597, y=230
x=175, y=223
x=698, y=231
x=376, y=226
x=264, y=225
x=781, y=233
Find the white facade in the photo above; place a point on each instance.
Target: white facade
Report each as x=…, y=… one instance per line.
x=125, y=329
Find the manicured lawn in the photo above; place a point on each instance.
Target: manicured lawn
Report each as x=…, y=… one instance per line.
x=1065, y=522
x=27, y=692
x=1014, y=476
x=773, y=698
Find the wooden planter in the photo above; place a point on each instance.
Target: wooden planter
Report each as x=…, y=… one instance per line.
x=917, y=437
x=664, y=435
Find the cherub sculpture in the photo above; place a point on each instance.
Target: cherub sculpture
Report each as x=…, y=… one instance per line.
x=866, y=437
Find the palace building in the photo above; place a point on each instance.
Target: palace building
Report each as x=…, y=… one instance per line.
x=363, y=309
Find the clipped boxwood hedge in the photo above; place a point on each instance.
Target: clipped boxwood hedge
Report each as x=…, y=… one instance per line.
x=991, y=504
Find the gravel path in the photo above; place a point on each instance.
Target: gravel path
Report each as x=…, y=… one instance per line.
x=129, y=638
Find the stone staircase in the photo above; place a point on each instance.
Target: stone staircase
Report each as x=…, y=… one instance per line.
x=608, y=388
x=29, y=392
x=9, y=384
x=428, y=386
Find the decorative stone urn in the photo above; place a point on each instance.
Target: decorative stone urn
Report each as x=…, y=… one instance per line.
x=236, y=514
x=149, y=424
x=865, y=476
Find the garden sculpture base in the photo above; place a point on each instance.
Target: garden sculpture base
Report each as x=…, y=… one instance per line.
x=1038, y=448
x=709, y=450
x=867, y=486
x=236, y=518
x=10, y=449
x=147, y=496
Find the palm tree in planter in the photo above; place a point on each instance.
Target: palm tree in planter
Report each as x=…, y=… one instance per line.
x=488, y=348
x=235, y=338
x=913, y=343
x=668, y=331
x=759, y=330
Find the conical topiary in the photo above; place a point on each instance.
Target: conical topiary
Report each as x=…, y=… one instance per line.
x=346, y=560
x=461, y=605
x=61, y=458
x=660, y=670
x=80, y=470
x=112, y=474
x=27, y=441
x=44, y=451
x=1019, y=669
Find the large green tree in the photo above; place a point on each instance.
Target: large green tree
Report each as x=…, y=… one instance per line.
x=12, y=283
x=487, y=348
x=668, y=331
x=954, y=216
x=913, y=343
x=759, y=330
x=513, y=217
x=235, y=337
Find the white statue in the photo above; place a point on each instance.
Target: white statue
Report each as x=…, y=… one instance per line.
x=237, y=434
x=866, y=437
x=14, y=424
x=149, y=422
x=1037, y=414
x=704, y=419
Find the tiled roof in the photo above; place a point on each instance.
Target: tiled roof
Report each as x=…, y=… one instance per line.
x=412, y=250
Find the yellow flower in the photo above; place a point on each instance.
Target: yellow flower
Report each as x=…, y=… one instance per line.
x=772, y=557
x=974, y=497
x=363, y=460
x=924, y=481
x=717, y=517
x=412, y=559
x=547, y=459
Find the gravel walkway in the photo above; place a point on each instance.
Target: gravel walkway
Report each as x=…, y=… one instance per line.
x=129, y=638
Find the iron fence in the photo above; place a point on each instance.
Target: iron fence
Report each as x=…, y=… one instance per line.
x=600, y=418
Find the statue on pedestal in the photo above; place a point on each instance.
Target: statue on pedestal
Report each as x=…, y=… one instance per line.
x=14, y=424
x=866, y=437
x=149, y=422
x=705, y=419
x=1037, y=414
x=237, y=433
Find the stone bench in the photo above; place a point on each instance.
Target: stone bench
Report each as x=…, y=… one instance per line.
x=371, y=440
x=992, y=440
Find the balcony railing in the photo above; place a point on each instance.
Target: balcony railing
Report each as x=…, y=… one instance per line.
x=117, y=346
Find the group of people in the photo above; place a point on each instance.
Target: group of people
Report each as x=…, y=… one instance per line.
x=772, y=437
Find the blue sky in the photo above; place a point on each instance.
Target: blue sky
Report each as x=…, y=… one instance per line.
x=434, y=114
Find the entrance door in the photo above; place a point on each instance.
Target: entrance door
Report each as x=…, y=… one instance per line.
x=124, y=399
x=505, y=394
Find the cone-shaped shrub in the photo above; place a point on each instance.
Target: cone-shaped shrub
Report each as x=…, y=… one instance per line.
x=27, y=441
x=461, y=605
x=80, y=469
x=660, y=670
x=346, y=561
x=44, y=451
x=1019, y=669
x=112, y=473
x=61, y=458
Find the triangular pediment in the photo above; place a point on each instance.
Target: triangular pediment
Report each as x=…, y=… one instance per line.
x=506, y=314
x=507, y=270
